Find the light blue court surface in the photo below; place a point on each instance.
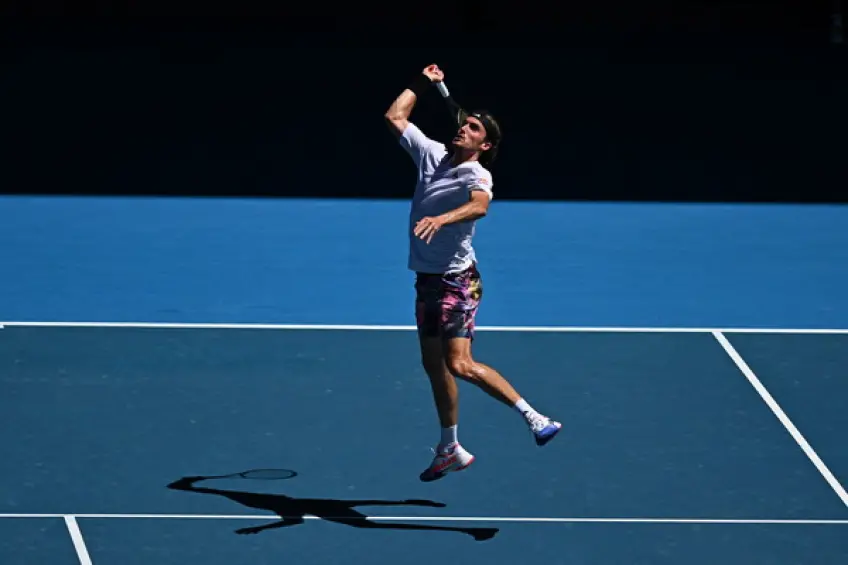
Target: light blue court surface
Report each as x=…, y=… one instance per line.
x=344, y=262
x=681, y=443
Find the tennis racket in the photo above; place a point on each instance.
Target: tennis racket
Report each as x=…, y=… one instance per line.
x=456, y=112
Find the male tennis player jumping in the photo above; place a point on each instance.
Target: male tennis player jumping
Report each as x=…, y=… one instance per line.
x=454, y=190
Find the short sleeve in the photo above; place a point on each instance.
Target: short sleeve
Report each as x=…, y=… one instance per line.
x=481, y=180
x=417, y=144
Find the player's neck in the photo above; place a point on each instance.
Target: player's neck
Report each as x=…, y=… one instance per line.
x=459, y=156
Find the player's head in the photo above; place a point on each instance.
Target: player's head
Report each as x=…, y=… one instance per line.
x=479, y=132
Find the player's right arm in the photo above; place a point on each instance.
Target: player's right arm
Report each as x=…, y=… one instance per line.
x=397, y=116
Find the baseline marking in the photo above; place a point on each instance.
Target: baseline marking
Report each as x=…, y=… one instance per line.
x=378, y=327
x=70, y=519
x=781, y=415
x=76, y=536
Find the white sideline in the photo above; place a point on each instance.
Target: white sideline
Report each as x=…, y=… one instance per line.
x=527, y=519
x=379, y=327
x=781, y=415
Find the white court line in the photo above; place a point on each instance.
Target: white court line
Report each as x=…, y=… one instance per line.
x=781, y=415
x=378, y=327
x=560, y=520
x=76, y=536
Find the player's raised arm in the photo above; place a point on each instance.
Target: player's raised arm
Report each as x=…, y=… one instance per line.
x=397, y=116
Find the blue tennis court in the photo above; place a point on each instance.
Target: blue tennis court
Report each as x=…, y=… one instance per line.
x=135, y=356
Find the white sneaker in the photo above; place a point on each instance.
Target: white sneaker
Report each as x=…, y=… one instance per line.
x=544, y=429
x=449, y=459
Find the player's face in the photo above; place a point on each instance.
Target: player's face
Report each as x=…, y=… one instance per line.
x=471, y=136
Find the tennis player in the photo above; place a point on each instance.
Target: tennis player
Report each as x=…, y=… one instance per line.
x=453, y=191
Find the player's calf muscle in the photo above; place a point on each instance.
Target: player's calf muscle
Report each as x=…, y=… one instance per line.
x=464, y=367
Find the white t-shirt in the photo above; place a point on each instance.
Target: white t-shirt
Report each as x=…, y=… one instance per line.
x=441, y=187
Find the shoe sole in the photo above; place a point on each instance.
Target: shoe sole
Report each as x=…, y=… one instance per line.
x=543, y=441
x=444, y=474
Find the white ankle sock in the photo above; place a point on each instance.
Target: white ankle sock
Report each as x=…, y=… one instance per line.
x=448, y=436
x=524, y=409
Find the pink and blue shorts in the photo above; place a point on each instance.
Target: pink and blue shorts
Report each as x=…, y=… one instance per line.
x=446, y=305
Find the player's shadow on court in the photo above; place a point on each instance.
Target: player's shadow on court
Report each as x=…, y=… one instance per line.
x=293, y=510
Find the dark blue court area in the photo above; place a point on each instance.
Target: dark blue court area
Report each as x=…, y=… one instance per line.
x=669, y=454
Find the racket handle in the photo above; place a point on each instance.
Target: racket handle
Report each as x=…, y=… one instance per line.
x=443, y=89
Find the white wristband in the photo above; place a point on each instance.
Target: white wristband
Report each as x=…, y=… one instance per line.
x=443, y=89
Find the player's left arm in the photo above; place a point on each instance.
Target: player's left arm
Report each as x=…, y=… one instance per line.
x=476, y=208
x=479, y=198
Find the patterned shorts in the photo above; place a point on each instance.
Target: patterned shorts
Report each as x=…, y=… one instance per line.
x=447, y=304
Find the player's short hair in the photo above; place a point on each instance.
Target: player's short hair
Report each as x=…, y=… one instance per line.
x=493, y=135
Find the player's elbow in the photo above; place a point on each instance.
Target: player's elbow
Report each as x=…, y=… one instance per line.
x=394, y=114
x=396, y=123
x=479, y=203
x=480, y=210
x=393, y=117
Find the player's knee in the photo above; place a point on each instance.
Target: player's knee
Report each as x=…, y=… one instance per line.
x=462, y=368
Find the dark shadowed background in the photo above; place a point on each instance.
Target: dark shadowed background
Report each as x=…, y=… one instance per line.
x=704, y=101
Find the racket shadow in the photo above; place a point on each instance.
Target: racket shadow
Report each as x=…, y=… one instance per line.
x=292, y=511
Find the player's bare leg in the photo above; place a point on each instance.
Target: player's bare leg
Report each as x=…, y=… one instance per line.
x=462, y=365
x=449, y=454
x=442, y=382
